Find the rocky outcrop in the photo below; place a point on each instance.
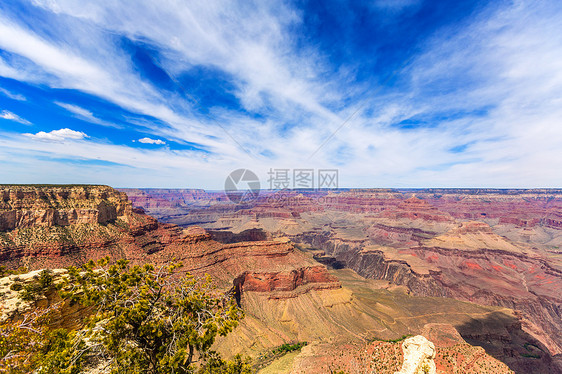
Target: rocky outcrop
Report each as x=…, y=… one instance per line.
x=285, y=284
x=12, y=306
x=554, y=220
x=250, y=235
x=30, y=206
x=418, y=356
x=284, y=281
x=415, y=208
x=414, y=238
x=397, y=236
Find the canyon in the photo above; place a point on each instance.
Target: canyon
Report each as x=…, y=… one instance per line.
x=340, y=270
x=492, y=247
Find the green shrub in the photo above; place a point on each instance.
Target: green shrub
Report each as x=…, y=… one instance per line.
x=16, y=286
x=31, y=291
x=148, y=320
x=143, y=320
x=287, y=347
x=30, y=345
x=530, y=355
x=403, y=337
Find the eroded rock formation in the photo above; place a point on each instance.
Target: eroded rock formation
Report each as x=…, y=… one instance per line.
x=420, y=245
x=316, y=277
x=30, y=206
x=418, y=356
x=494, y=247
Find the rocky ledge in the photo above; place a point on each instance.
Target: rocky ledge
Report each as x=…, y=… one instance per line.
x=304, y=279
x=40, y=205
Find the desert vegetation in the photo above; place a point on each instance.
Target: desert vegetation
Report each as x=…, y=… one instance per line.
x=139, y=319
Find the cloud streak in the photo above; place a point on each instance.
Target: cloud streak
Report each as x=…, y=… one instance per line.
x=6, y=114
x=477, y=103
x=12, y=95
x=85, y=114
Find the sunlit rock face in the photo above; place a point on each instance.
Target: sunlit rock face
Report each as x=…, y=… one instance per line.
x=492, y=247
x=29, y=206
x=418, y=356
x=410, y=249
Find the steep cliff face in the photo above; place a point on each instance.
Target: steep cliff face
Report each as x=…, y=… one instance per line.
x=494, y=247
x=30, y=206
x=415, y=208
x=107, y=225
x=286, y=281
x=287, y=295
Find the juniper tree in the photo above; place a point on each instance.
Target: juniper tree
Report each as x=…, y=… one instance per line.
x=150, y=320
x=30, y=344
x=141, y=319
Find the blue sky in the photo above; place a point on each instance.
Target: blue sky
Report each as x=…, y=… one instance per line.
x=393, y=93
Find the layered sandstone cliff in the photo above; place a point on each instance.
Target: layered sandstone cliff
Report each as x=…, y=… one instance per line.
x=494, y=247
x=100, y=221
x=288, y=296
x=30, y=206
x=286, y=284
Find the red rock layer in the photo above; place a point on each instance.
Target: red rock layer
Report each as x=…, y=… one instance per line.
x=285, y=281
x=27, y=206
x=43, y=243
x=414, y=208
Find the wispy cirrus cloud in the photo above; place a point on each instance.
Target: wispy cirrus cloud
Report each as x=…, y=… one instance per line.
x=6, y=114
x=85, y=114
x=473, y=102
x=12, y=95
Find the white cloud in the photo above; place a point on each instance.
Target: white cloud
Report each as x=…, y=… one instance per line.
x=12, y=95
x=6, y=114
x=506, y=59
x=85, y=114
x=151, y=141
x=246, y=41
x=77, y=110
x=57, y=135
x=50, y=57
x=98, y=68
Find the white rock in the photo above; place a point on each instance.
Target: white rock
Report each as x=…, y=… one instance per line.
x=418, y=356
